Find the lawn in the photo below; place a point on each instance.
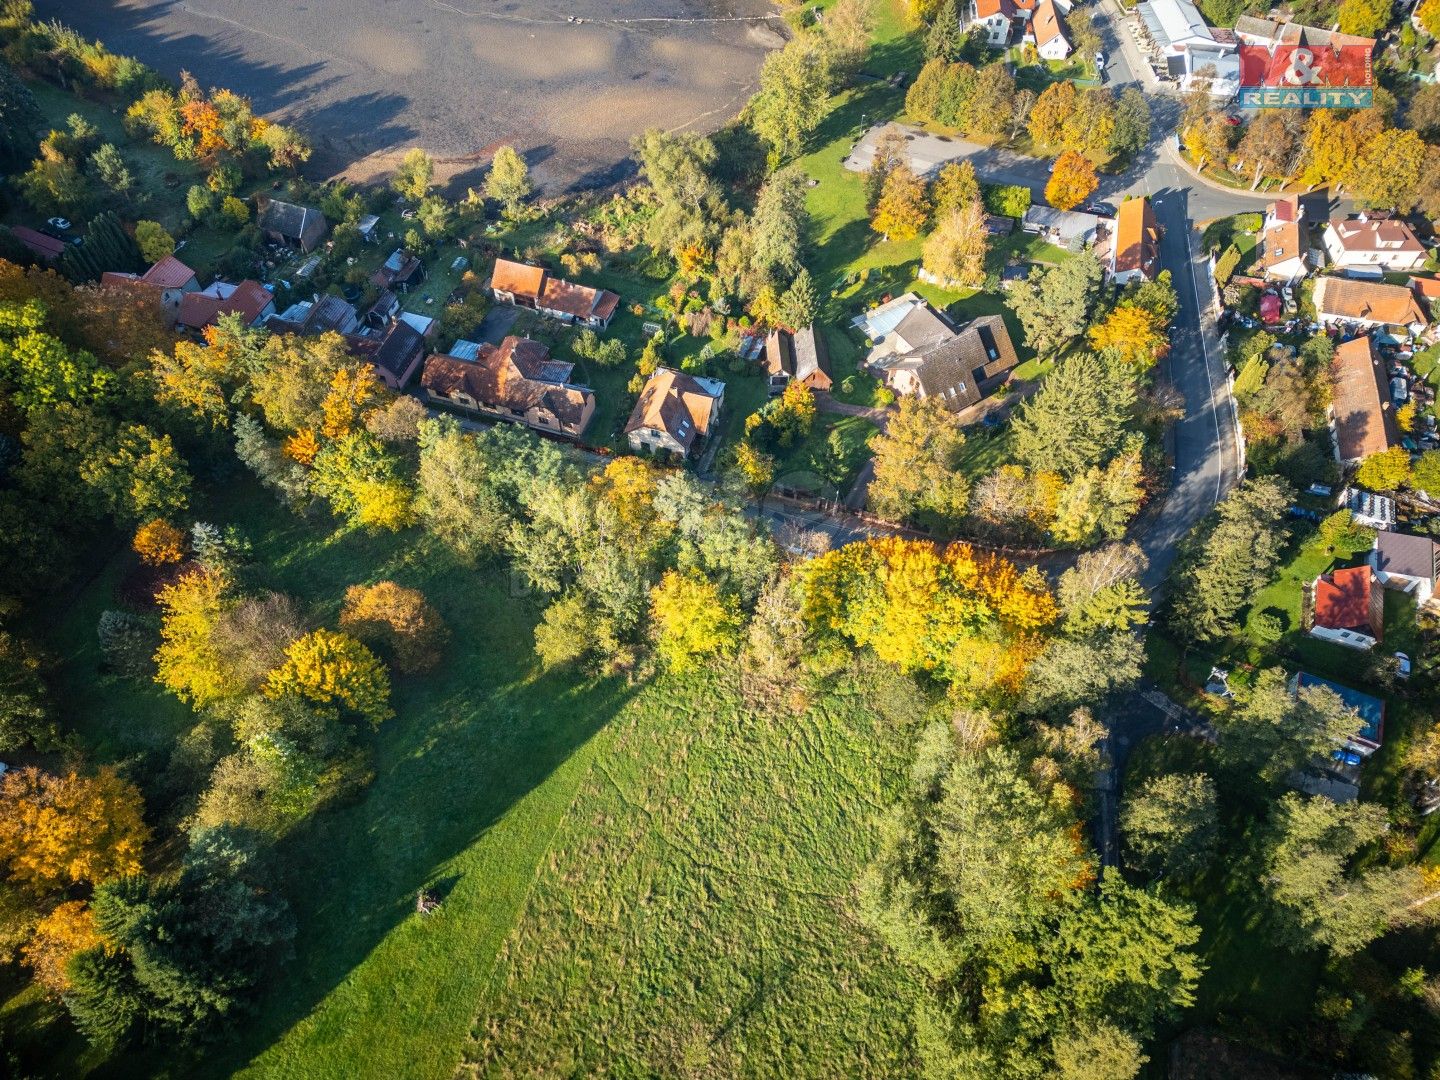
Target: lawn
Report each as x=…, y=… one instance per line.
x=1222, y=232
x=853, y=267
x=985, y=450
x=479, y=784
x=696, y=913
x=794, y=468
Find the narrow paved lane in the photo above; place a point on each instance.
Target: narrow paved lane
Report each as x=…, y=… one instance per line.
x=1204, y=449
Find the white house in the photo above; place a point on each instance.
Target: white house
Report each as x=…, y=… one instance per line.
x=1187, y=49
x=997, y=19
x=1407, y=563
x=1048, y=33
x=1284, y=242
x=1373, y=246
x=1366, y=305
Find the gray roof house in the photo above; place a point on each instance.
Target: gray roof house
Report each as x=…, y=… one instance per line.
x=1405, y=562
x=923, y=354
x=803, y=356
x=287, y=223
x=1069, y=229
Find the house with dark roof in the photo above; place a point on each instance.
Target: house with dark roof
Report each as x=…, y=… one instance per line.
x=924, y=355
x=295, y=226
x=395, y=349
x=250, y=300
x=1345, y=606
x=516, y=381
x=802, y=356
x=1362, y=416
x=1407, y=563
x=532, y=286
x=1373, y=245
x=675, y=412
x=395, y=352
x=326, y=312
x=400, y=272
x=385, y=309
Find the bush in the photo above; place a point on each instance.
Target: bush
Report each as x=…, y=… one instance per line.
x=128, y=643
x=1007, y=200
x=1266, y=628
x=155, y=243
x=1248, y=223
x=1225, y=265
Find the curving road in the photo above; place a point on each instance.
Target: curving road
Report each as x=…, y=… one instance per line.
x=1203, y=445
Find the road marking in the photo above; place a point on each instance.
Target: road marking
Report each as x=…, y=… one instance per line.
x=1205, y=352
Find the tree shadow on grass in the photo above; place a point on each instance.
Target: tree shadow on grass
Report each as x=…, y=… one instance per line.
x=469, y=743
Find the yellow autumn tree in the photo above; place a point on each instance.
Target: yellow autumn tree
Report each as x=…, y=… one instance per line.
x=334, y=670
x=302, y=446
x=1071, y=181
x=1328, y=148
x=158, y=543
x=927, y=609
x=902, y=210
x=1051, y=109
x=693, y=620
x=755, y=467
x=382, y=502
x=189, y=663
x=1132, y=333
x=58, y=831
x=199, y=378
x=398, y=618
x=354, y=391
x=67, y=930
x=628, y=484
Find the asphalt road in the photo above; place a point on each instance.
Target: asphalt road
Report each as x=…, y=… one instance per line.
x=369, y=78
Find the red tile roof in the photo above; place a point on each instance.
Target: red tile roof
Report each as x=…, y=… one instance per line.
x=168, y=273
x=1285, y=210
x=47, y=247
x=249, y=299
x=579, y=301
x=518, y=278
x=1046, y=23
x=1364, y=420
x=1373, y=301
x=518, y=374
x=1137, y=237
x=1342, y=599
